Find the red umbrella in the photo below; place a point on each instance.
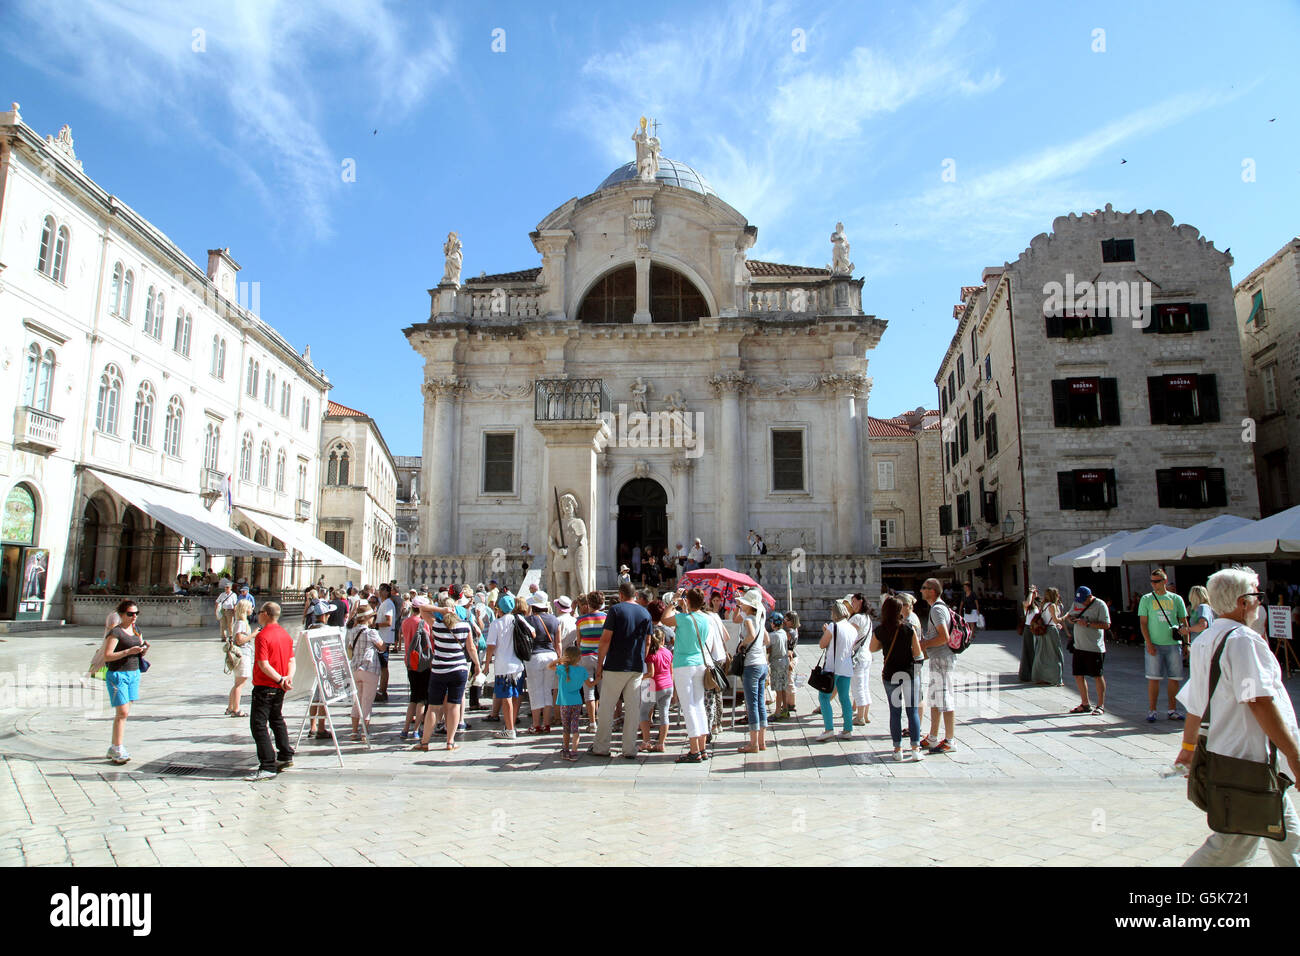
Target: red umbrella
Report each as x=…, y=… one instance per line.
x=728, y=583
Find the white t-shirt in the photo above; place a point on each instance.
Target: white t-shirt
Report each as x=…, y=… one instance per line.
x=501, y=635
x=717, y=637
x=1248, y=670
x=839, y=652
x=387, y=610
x=568, y=629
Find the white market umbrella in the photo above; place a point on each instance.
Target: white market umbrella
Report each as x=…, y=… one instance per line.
x=1112, y=556
x=1068, y=558
x=1277, y=534
x=1173, y=547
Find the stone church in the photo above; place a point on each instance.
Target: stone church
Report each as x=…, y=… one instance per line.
x=673, y=387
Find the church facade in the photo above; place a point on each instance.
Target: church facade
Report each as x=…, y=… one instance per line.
x=673, y=387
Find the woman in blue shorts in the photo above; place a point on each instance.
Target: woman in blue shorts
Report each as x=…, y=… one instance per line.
x=123, y=648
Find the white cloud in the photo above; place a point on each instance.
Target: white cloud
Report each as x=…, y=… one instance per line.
x=260, y=69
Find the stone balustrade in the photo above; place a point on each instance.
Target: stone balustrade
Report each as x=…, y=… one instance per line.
x=505, y=303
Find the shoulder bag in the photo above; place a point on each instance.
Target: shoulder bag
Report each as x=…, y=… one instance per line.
x=1238, y=796
x=715, y=673
x=737, y=666
x=821, y=679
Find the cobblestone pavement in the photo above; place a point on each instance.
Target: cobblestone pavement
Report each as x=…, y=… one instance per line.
x=1028, y=784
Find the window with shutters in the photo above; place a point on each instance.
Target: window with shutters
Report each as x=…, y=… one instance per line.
x=1176, y=317
x=1117, y=250
x=991, y=436
x=334, y=539
x=978, y=413
x=1079, y=324
x=963, y=509
x=884, y=476
x=988, y=368
x=1183, y=399
x=498, y=463
x=945, y=519
x=787, y=460
x=990, y=507
x=1191, y=488
x=952, y=386
x=961, y=370
x=886, y=535
x=1086, y=489
x=1268, y=376
x=943, y=401
x=1085, y=402
x=963, y=436
x=952, y=452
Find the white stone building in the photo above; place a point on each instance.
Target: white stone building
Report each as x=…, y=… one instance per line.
x=1268, y=316
x=139, y=385
x=1093, y=385
x=674, y=388
x=358, y=497
x=907, y=478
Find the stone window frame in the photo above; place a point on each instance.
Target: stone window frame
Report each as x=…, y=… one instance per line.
x=893, y=474
x=894, y=534
x=503, y=429
x=803, y=428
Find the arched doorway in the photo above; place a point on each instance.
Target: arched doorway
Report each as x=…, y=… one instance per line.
x=642, y=518
x=18, y=535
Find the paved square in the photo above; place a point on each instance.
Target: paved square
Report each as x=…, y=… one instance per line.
x=1028, y=784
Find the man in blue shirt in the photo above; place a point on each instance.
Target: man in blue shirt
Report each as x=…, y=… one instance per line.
x=619, y=665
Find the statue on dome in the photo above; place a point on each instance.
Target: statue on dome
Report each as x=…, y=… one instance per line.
x=451, y=270
x=840, y=264
x=647, y=153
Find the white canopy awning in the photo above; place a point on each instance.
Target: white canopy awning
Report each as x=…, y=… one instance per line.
x=185, y=514
x=1068, y=558
x=300, y=539
x=1173, y=547
x=1277, y=534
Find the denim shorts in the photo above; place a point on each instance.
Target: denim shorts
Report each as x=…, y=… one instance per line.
x=1165, y=663
x=447, y=688
x=504, y=687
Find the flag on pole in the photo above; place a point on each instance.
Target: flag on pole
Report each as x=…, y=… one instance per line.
x=230, y=498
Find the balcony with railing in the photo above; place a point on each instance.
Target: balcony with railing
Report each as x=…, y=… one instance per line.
x=36, y=429
x=570, y=399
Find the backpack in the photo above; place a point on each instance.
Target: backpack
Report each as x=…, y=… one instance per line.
x=762, y=547
x=523, y=639
x=419, y=654
x=959, y=633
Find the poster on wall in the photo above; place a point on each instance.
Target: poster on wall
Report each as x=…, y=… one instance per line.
x=35, y=565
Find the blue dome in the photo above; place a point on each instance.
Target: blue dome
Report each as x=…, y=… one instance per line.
x=671, y=173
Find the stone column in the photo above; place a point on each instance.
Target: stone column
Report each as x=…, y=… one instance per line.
x=851, y=492
x=642, y=314
x=606, y=572
x=439, y=503
x=553, y=245
x=683, y=480
x=571, y=450
x=730, y=491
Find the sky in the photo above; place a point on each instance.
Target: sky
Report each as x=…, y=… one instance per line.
x=331, y=146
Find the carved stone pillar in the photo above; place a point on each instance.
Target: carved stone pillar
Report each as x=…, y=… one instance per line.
x=606, y=504
x=643, y=223
x=683, y=518
x=851, y=493
x=553, y=245
x=730, y=491
x=439, y=465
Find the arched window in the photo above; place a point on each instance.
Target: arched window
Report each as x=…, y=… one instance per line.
x=128, y=287
x=61, y=254
x=110, y=397
x=302, y=480
x=216, y=345
x=46, y=259
x=285, y=398
x=269, y=398
x=38, y=383
x=211, y=446
x=264, y=464
x=142, y=422
x=673, y=297
x=253, y=372
x=221, y=361
x=115, y=294
x=279, y=470
x=20, y=516
x=182, y=341
x=246, y=457
x=332, y=470
x=172, y=429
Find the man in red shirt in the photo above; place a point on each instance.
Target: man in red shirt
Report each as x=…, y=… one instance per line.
x=272, y=676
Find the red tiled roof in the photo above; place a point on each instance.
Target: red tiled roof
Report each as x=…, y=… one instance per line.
x=758, y=267
x=342, y=411
x=523, y=275
x=969, y=290
x=880, y=428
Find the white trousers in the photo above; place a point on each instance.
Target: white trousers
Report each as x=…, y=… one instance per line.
x=689, y=682
x=1227, y=849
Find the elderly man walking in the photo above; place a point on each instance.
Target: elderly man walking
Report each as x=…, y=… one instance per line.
x=225, y=611
x=1247, y=709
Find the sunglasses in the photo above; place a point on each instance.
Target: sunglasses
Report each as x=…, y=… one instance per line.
x=130, y=613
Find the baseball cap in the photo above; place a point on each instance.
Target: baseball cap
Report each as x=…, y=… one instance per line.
x=1082, y=594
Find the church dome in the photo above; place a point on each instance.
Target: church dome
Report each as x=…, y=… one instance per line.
x=671, y=173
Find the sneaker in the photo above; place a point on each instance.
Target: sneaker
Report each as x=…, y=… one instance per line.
x=848, y=735
x=504, y=735
x=112, y=752
x=462, y=727
x=915, y=754
x=121, y=756
x=943, y=747
x=1176, y=715
x=825, y=736
x=283, y=764
x=404, y=735
x=259, y=775
x=1151, y=716
x=898, y=756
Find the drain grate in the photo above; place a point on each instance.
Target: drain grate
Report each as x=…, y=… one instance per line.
x=177, y=770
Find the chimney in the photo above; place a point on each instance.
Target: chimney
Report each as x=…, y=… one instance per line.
x=221, y=271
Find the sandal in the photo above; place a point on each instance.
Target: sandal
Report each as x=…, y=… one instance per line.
x=1082, y=709
x=453, y=746
x=424, y=747
x=690, y=757
x=655, y=750
x=747, y=749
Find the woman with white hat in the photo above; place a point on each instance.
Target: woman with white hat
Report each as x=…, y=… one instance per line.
x=837, y=638
x=753, y=646
x=366, y=645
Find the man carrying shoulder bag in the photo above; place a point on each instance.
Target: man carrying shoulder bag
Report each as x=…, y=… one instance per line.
x=1236, y=686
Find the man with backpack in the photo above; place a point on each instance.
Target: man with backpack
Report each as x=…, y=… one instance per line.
x=1163, y=618
x=508, y=667
x=417, y=637
x=942, y=692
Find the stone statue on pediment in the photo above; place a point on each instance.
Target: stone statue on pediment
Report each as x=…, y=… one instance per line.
x=451, y=268
x=840, y=264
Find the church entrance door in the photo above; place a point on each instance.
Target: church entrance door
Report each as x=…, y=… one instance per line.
x=642, y=519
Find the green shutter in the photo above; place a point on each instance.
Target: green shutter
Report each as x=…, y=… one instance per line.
x=1199, y=317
